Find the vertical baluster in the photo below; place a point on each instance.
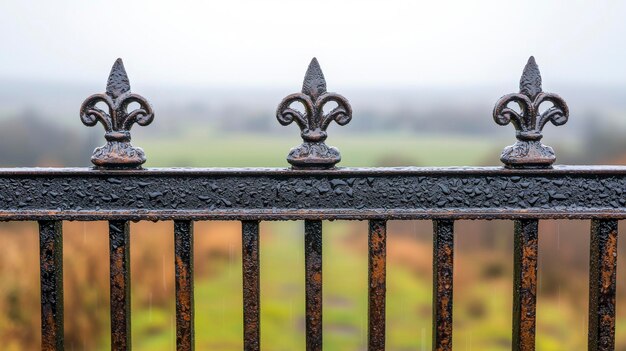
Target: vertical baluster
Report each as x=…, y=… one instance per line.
x=603, y=260
x=251, y=303
x=51, y=265
x=443, y=269
x=525, y=284
x=313, y=282
x=377, y=284
x=119, y=251
x=183, y=248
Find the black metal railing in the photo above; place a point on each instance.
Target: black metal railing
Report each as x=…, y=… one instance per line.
x=117, y=189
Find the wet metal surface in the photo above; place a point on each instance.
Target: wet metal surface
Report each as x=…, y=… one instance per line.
x=117, y=121
x=377, y=284
x=313, y=153
x=51, y=264
x=251, y=286
x=602, y=287
x=183, y=248
x=119, y=246
x=525, y=251
x=253, y=194
x=313, y=282
x=528, y=151
x=443, y=269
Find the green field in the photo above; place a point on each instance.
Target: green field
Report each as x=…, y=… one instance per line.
x=218, y=303
x=201, y=148
x=219, y=300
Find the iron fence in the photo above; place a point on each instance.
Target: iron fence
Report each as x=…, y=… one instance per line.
x=527, y=189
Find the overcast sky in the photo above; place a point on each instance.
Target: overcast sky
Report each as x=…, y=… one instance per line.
x=358, y=43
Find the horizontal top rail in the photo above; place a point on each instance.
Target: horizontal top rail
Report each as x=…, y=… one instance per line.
x=342, y=193
x=560, y=170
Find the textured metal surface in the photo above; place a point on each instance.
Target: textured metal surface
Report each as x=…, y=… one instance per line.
x=313, y=153
x=119, y=251
x=528, y=152
x=51, y=264
x=183, y=249
x=117, y=121
x=602, y=287
x=118, y=190
x=526, y=245
x=404, y=193
x=377, y=284
x=443, y=269
x=251, y=286
x=313, y=282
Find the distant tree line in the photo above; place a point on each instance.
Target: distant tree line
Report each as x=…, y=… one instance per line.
x=28, y=139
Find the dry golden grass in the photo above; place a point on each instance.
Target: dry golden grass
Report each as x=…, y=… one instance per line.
x=86, y=272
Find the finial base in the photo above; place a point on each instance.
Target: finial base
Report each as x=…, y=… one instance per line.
x=528, y=154
x=116, y=154
x=313, y=156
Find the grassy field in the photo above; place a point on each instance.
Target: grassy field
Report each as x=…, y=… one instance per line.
x=219, y=306
x=482, y=313
x=201, y=148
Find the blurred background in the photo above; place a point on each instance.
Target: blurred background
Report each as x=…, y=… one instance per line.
x=422, y=78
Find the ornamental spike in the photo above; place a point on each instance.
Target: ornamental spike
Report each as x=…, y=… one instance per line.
x=530, y=82
x=118, y=83
x=117, y=121
x=528, y=151
x=314, y=83
x=313, y=153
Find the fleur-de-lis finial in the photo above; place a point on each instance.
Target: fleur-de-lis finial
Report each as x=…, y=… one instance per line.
x=528, y=151
x=313, y=153
x=117, y=121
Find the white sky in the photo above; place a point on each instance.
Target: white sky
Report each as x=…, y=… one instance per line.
x=358, y=43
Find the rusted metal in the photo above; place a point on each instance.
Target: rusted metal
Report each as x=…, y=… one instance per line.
x=251, y=286
x=526, y=245
x=117, y=121
x=528, y=152
x=183, y=248
x=51, y=265
x=313, y=153
x=602, y=286
x=443, y=269
x=377, y=289
x=119, y=252
x=276, y=194
x=119, y=191
x=313, y=282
